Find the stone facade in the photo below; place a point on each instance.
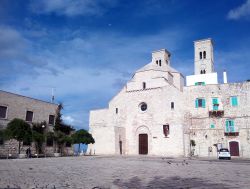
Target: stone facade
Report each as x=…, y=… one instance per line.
x=156, y=114
x=17, y=107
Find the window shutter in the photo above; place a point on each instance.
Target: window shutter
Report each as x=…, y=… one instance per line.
x=203, y=83
x=196, y=83
x=227, y=126
x=196, y=103
x=232, y=126
x=203, y=103
x=235, y=101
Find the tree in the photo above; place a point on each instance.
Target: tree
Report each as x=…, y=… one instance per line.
x=20, y=130
x=38, y=135
x=82, y=137
x=62, y=131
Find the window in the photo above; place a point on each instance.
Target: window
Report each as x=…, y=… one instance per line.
x=143, y=106
x=29, y=116
x=200, y=103
x=200, y=55
x=204, y=71
x=116, y=110
x=172, y=105
x=49, y=141
x=3, y=112
x=204, y=54
x=234, y=101
x=26, y=142
x=215, y=104
x=51, y=119
x=144, y=85
x=212, y=126
x=230, y=126
x=199, y=83
x=166, y=130
x=159, y=62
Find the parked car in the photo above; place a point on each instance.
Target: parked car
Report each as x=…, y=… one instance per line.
x=224, y=153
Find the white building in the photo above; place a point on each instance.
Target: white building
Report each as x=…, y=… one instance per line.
x=156, y=114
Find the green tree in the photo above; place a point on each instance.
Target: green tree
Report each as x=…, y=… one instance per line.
x=62, y=131
x=82, y=137
x=38, y=135
x=20, y=130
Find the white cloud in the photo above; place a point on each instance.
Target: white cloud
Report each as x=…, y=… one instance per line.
x=68, y=119
x=242, y=11
x=71, y=8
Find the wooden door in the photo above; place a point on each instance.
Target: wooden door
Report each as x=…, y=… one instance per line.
x=234, y=148
x=143, y=144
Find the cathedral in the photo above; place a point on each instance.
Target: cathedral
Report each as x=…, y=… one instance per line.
x=160, y=112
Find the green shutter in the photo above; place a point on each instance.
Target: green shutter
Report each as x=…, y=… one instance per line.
x=196, y=83
x=212, y=126
x=232, y=126
x=203, y=83
x=215, y=101
x=227, y=126
x=234, y=101
x=203, y=103
x=196, y=103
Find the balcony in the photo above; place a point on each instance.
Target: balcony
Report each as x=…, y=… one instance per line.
x=231, y=133
x=216, y=112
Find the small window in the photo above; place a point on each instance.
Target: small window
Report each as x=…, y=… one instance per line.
x=200, y=103
x=204, y=71
x=204, y=55
x=166, y=130
x=1, y=140
x=3, y=112
x=49, y=141
x=144, y=85
x=51, y=119
x=116, y=110
x=159, y=62
x=172, y=105
x=200, y=83
x=143, y=106
x=29, y=116
x=200, y=55
x=212, y=126
x=234, y=101
x=201, y=71
x=215, y=104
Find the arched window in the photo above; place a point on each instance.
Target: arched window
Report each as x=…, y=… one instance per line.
x=204, y=54
x=166, y=130
x=204, y=71
x=159, y=62
x=200, y=55
x=144, y=85
x=172, y=105
x=201, y=72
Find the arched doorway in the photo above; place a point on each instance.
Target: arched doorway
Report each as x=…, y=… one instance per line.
x=234, y=148
x=143, y=144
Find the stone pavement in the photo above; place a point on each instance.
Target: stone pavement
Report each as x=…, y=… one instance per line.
x=124, y=172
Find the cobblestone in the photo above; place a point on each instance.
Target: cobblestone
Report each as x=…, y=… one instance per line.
x=115, y=172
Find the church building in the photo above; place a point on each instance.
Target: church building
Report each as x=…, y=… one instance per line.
x=159, y=112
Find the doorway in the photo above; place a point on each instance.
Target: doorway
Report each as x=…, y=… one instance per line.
x=143, y=144
x=234, y=148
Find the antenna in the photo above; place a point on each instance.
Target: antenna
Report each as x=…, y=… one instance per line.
x=52, y=95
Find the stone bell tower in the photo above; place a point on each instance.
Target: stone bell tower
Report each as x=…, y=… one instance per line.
x=203, y=56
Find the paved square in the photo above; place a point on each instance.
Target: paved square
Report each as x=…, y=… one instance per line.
x=123, y=172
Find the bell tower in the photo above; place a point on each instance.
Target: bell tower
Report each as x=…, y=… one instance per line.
x=203, y=56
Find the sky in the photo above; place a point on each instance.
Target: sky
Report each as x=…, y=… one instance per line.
x=88, y=49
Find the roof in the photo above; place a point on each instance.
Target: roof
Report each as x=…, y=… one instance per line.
x=1, y=91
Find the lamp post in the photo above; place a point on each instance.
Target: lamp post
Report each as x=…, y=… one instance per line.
x=44, y=127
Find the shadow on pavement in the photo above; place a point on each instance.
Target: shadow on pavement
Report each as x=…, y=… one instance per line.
x=171, y=182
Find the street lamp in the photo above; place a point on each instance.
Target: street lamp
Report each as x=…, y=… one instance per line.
x=44, y=127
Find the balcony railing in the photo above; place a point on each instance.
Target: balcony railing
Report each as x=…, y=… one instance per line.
x=216, y=113
x=231, y=133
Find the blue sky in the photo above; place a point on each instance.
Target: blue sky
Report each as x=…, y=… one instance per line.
x=88, y=49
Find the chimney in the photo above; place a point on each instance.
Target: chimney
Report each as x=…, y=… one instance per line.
x=224, y=76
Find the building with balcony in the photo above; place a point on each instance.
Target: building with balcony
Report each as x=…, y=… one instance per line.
x=156, y=113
